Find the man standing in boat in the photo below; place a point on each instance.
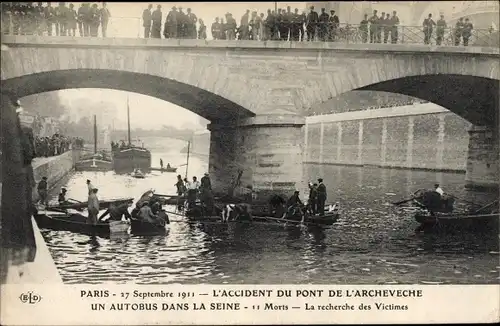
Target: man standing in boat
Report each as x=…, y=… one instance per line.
x=93, y=207
x=181, y=190
x=206, y=195
x=321, y=199
x=161, y=164
x=313, y=198
x=192, y=192
x=42, y=191
x=89, y=187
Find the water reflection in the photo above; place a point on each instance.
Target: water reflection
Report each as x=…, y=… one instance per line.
x=371, y=243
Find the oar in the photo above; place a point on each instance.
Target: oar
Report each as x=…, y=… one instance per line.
x=403, y=201
x=465, y=201
x=169, y=196
x=75, y=200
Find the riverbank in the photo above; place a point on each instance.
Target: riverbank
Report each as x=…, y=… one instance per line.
x=43, y=268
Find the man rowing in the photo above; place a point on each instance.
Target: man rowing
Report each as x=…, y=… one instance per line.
x=438, y=189
x=147, y=215
x=294, y=205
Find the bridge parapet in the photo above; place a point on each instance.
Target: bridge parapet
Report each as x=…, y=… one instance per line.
x=343, y=34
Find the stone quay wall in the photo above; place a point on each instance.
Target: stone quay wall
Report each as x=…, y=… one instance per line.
x=55, y=168
x=423, y=136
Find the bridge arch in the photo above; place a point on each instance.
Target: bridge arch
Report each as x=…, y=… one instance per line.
x=206, y=104
x=473, y=98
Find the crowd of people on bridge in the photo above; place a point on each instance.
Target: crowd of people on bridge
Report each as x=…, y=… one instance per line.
x=56, y=145
x=24, y=18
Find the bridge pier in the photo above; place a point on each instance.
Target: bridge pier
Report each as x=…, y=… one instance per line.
x=266, y=151
x=482, y=172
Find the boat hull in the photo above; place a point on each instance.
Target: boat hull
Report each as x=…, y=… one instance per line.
x=77, y=223
x=70, y=222
x=93, y=165
x=127, y=160
x=103, y=204
x=471, y=222
x=142, y=227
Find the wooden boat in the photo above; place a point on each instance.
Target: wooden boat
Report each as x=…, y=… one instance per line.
x=170, y=169
x=142, y=227
x=72, y=222
x=260, y=216
x=93, y=164
x=77, y=222
x=129, y=157
x=471, y=221
x=96, y=161
x=103, y=204
x=138, y=174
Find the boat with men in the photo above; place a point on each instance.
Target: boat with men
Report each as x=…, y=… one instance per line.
x=77, y=222
x=435, y=209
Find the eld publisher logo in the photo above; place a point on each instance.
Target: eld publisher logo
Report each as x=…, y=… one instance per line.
x=30, y=298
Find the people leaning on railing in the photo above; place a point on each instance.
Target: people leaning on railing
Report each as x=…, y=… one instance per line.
x=280, y=25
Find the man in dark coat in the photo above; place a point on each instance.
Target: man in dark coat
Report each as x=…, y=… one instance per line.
x=321, y=197
x=147, y=20
x=156, y=27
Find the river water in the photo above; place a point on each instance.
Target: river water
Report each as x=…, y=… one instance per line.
x=372, y=243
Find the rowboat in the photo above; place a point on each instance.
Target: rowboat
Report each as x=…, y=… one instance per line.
x=77, y=223
x=460, y=220
x=103, y=204
x=138, y=174
x=326, y=220
x=170, y=169
x=262, y=216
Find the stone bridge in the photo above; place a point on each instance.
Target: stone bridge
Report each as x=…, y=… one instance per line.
x=255, y=93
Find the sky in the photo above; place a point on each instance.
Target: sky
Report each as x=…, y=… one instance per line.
x=145, y=112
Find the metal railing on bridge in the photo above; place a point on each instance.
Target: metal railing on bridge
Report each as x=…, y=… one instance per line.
x=131, y=27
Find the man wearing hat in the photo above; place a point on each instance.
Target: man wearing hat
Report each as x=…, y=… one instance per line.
x=333, y=25
x=62, y=196
x=170, y=29
x=311, y=23
x=146, y=21
x=156, y=17
x=206, y=195
x=321, y=197
x=42, y=190
x=89, y=186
